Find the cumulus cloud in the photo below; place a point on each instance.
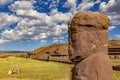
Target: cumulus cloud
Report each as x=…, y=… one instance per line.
x=4, y=2
x=57, y=31
x=112, y=10
x=34, y=25
x=85, y=5
x=111, y=28
x=70, y=3
x=1, y=41
x=24, y=32
x=21, y=5
x=104, y=5
x=117, y=36
x=24, y=8
x=53, y=3
x=58, y=39
x=6, y=20
x=43, y=41
x=114, y=18
x=59, y=16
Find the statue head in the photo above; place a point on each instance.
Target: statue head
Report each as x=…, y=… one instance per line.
x=87, y=34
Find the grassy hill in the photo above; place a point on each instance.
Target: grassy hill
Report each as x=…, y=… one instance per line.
x=63, y=48
x=114, y=43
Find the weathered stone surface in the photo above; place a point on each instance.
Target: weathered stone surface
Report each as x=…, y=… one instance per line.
x=14, y=69
x=95, y=20
x=88, y=46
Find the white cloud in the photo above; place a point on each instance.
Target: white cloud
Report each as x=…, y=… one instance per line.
x=6, y=20
x=85, y=5
x=63, y=27
x=111, y=28
x=34, y=29
x=30, y=14
x=104, y=5
x=43, y=41
x=112, y=10
x=114, y=18
x=24, y=8
x=4, y=2
x=57, y=31
x=1, y=41
x=97, y=1
x=58, y=39
x=55, y=41
x=59, y=16
x=70, y=3
x=21, y=5
x=34, y=25
x=24, y=32
x=117, y=36
x=53, y=3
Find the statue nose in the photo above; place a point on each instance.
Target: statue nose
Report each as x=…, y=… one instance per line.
x=70, y=52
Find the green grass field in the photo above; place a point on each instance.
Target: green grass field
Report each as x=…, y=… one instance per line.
x=115, y=61
x=40, y=70
x=34, y=69
x=116, y=75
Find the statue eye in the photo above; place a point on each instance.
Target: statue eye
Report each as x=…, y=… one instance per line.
x=73, y=39
x=74, y=36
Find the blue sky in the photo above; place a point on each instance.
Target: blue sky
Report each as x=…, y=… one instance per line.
x=29, y=24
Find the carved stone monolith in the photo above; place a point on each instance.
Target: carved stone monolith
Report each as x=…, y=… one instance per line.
x=88, y=46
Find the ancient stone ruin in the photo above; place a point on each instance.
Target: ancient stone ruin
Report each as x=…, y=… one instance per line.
x=14, y=70
x=88, y=46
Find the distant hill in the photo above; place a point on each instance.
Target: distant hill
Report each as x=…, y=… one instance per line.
x=63, y=48
x=3, y=51
x=114, y=43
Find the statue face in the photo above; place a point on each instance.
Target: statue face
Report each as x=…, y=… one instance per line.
x=76, y=44
x=87, y=35
x=83, y=43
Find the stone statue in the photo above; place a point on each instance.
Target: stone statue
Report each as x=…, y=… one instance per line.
x=88, y=46
x=14, y=69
